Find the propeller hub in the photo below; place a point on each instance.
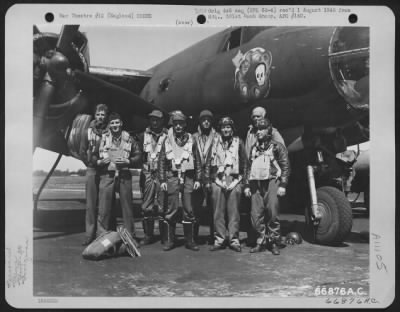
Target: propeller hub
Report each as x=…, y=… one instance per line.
x=57, y=65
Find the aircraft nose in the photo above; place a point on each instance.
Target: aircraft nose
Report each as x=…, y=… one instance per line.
x=349, y=64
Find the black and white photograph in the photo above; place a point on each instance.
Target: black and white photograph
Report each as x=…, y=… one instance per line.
x=203, y=163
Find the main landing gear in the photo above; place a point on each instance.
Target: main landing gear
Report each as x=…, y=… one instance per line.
x=329, y=217
x=328, y=212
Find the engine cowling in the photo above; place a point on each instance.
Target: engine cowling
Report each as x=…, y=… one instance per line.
x=77, y=135
x=57, y=97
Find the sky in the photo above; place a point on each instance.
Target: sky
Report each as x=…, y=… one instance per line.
x=125, y=47
x=131, y=48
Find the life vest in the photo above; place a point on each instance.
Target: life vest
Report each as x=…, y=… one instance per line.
x=152, y=148
x=108, y=149
x=261, y=161
x=202, y=147
x=226, y=160
x=181, y=156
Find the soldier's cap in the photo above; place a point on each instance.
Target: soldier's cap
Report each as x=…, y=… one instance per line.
x=114, y=116
x=178, y=115
x=205, y=113
x=156, y=113
x=226, y=121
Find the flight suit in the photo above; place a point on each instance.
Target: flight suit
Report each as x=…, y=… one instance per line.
x=251, y=139
x=203, y=144
x=89, y=146
x=113, y=180
x=153, y=198
x=180, y=167
x=264, y=183
x=228, y=163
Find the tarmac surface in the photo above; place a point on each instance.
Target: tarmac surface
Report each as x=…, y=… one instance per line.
x=59, y=269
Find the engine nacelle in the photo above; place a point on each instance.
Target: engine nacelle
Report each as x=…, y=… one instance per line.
x=77, y=135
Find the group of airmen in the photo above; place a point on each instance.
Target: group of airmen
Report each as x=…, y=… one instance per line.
x=182, y=169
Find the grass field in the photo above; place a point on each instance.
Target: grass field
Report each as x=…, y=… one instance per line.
x=71, y=187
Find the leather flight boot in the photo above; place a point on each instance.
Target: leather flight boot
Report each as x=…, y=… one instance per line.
x=275, y=249
x=188, y=230
x=275, y=236
x=148, y=229
x=169, y=236
x=211, y=238
x=196, y=228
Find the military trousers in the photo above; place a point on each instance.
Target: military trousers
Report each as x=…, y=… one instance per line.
x=109, y=185
x=265, y=210
x=171, y=207
x=153, y=197
x=92, y=193
x=198, y=198
x=226, y=207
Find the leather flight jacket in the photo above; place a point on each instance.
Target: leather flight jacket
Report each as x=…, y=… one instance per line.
x=207, y=152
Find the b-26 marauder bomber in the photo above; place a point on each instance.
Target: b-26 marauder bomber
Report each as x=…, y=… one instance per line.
x=313, y=82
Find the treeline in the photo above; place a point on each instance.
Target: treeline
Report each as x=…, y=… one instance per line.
x=60, y=173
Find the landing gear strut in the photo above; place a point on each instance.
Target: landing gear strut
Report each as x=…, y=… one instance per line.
x=329, y=215
x=315, y=215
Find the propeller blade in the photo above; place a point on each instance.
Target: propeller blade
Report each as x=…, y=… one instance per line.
x=67, y=34
x=41, y=104
x=36, y=30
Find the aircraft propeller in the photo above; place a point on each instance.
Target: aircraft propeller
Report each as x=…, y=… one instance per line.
x=53, y=68
x=63, y=83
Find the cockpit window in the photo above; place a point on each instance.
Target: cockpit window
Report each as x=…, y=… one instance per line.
x=233, y=40
x=349, y=64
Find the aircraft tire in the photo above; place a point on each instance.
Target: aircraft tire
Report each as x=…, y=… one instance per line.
x=337, y=219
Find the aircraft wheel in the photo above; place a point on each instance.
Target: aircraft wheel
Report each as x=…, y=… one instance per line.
x=336, y=221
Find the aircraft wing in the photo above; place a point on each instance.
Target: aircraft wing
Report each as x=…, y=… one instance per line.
x=115, y=90
x=132, y=80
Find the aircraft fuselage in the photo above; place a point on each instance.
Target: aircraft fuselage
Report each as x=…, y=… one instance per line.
x=297, y=84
